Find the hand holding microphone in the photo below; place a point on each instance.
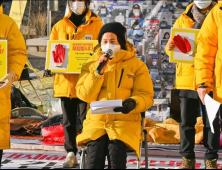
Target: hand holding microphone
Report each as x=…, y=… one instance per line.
x=103, y=61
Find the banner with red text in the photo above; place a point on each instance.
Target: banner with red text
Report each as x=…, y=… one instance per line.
x=3, y=58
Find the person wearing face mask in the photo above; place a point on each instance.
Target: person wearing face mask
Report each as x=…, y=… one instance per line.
x=136, y=12
x=164, y=7
x=123, y=77
x=103, y=11
x=80, y=24
x=154, y=66
x=193, y=17
x=16, y=56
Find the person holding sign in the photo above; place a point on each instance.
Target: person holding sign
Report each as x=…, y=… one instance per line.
x=193, y=17
x=80, y=24
x=16, y=56
x=124, y=77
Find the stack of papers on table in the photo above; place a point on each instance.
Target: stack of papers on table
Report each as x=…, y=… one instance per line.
x=105, y=107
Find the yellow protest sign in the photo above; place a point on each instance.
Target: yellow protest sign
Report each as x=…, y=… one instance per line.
x=188, y=43
x=17, y=11
x=3, y=58
x=68, y=56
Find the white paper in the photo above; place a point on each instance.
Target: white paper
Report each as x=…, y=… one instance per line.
x=212, y=108
x=105, y=107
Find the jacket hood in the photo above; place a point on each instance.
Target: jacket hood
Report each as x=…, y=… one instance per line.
x=90, y=17
x=123, y=55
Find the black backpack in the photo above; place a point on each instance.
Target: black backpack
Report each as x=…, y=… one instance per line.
x=19, y=100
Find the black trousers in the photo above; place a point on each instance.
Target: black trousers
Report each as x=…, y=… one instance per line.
x=189, y=113
x=70, y=108
x=1, y=152
x=98, y=150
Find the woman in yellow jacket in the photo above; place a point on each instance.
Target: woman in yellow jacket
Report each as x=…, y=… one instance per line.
x=80, y=24
x=16, y=60
x=193, y=17
x=124, y=77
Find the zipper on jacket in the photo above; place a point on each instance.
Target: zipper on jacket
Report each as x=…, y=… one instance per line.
x=121, y=76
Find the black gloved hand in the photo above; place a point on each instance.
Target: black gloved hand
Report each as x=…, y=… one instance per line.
x=128, y=106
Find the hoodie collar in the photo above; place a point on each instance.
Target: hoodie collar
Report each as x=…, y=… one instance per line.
x=190, y=6
x=90, y=16
x=123, y=55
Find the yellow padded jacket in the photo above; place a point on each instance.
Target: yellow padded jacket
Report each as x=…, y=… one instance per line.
x=16, y=60
x=208, y=60
x=125, y=77
x=64, y=84
x=185, y=77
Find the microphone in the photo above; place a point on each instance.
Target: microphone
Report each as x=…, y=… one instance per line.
x=108, y=53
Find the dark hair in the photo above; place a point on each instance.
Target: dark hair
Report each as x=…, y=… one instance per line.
x=123, y=46
x=166, y=34
x=1, y=1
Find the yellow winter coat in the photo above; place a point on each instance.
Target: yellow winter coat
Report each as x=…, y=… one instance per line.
x=64, y=85
x=185, y=77
x=208, y=60
x=16, y=60
x=125, y=77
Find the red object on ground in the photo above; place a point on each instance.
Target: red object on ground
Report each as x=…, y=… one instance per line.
x=59, y=54
x=182, y=44
x=54, y=134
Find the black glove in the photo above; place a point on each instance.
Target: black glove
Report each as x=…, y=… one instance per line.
x=128, y=106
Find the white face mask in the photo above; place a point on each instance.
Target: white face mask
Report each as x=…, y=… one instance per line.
x=115, y=48
x=154, y=63
x=78, y=7
x=202, y=4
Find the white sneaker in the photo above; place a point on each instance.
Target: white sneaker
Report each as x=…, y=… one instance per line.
x=71, y=161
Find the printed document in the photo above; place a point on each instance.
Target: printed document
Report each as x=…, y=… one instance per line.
x=105, y=107
x=212, y=108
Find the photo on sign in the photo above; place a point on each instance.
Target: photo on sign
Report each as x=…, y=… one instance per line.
x=185, y=41
x=157, y=83
x=135, y=33
x=179, y=9
x=119, y=16
x=136, y=11
x=164, y=57
x=164, y=34
x=93, y=6
x=105, y=8
x=163, y=44
x=165, y=20
x=153, y=48
x=120, y=11
x=153, y=62
x=168, y=83
x=59, y=56
x=168, y=68
x=166, y=6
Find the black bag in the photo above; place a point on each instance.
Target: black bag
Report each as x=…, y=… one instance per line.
x=19, y=100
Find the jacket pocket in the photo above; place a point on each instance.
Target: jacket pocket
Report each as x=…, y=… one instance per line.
x=121, y=77
x=218, y=73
